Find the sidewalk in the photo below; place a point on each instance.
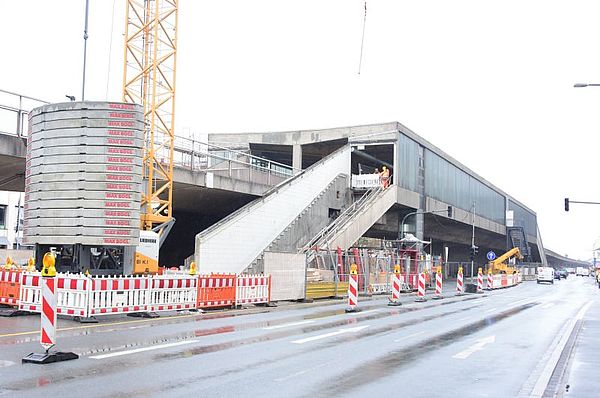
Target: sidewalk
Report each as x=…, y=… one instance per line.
x=582, y=375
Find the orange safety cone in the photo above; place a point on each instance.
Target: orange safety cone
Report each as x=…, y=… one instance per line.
x=421, y=289
x=353, y=290
x=438, y=284
x=396, y=282
x=460, y=287
x=479, y=281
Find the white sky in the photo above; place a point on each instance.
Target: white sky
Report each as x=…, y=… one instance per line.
x=489, y=82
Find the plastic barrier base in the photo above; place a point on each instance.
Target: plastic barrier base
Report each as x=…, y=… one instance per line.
x=393, y=303
x=85, y=319
x=143, y=315
x=49, y=357
x=9, y=311
x=355, y=309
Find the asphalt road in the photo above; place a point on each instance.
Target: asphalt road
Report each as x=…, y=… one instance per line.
x=506, y=343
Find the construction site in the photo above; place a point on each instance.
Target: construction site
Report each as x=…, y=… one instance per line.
x=119, y=216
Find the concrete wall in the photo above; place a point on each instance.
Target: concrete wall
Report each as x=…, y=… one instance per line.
x=316, y=217
x=288, y=275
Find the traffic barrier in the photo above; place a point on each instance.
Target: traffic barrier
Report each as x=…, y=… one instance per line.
x=48, y=316
x=353, y=290
x=460, y=287
x=10, y=282
x=217, y=290
x=490, y=280
x=396, y=283
x=72, y=294
x=30, y=292
x=379, y=288
x=438, y=284
x=122, y=294
x=173, y=292
x=421, y=289
x=479, y=281
x=252, y=289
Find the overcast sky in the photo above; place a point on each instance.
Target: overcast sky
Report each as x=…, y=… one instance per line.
x=489, y=82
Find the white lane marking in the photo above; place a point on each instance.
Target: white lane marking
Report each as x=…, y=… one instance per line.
x=491, y=310
x=367, y=312
x=144, y=349
x=331, y=334
x=475, y=347
x=548, y=305
x=287, y=325
x=302, y=372
x=544, y=379
x=408, y=337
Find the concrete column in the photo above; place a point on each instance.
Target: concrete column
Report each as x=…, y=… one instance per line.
x=297, y=157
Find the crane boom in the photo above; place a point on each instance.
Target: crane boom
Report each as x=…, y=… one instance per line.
x=498, y=263
x=149, y=73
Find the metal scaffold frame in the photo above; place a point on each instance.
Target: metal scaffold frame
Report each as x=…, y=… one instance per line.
x=149, y=80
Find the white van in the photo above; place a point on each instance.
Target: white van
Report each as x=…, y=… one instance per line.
x=583, y=271
x=545, y=274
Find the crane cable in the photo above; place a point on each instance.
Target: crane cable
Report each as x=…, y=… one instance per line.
x=363, y=39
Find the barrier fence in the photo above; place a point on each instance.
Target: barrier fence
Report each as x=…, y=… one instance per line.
x=83, y=296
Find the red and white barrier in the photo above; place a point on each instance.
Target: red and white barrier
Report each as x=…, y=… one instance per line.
x=8, y=279
x=117, y=295
x=421, y=288
x=173, y=292
x=30, y=294
x=216, y=290
x=48, y=313
x=72, y=294
x=396, y=285
x=253, y=289
x=352, y=293
x=460, y=287
x=479, y=281
x=438, y=285
x=490, y=281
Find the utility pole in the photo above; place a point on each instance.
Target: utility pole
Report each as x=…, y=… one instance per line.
x=472, y=240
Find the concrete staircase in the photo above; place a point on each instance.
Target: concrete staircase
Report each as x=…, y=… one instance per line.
x=355, y=220
x=234, y=243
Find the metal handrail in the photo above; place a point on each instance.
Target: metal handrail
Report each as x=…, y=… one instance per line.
x=332, y=229
x=248, y=207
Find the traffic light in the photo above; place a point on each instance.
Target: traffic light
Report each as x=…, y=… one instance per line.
x=566, y=204
x=474, y=251
x=449, y=211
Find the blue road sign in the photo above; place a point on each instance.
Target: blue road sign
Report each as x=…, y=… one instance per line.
x=491, y=255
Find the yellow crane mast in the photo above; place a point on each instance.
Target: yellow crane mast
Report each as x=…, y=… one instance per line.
x=149, y=73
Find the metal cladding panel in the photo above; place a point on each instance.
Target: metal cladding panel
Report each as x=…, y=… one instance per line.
x=81, y=204
x=84, y=174
x=85, y=168
x=86, y=213
x=82, y=194
x=90, y=123
x=85, y=150
x=70, y=142
x=85, y=105
x=112, y=114
x=84, y=240
x=81, y=222
x=83, y=185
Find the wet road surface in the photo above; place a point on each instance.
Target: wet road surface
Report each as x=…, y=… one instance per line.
x=493, y=345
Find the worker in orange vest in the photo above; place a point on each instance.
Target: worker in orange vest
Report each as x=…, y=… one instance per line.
x=385, y=177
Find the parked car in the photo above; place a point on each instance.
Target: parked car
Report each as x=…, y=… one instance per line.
x=545, y=274
x=583, y=271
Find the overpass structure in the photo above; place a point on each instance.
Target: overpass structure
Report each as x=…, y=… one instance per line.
x=214, y=182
